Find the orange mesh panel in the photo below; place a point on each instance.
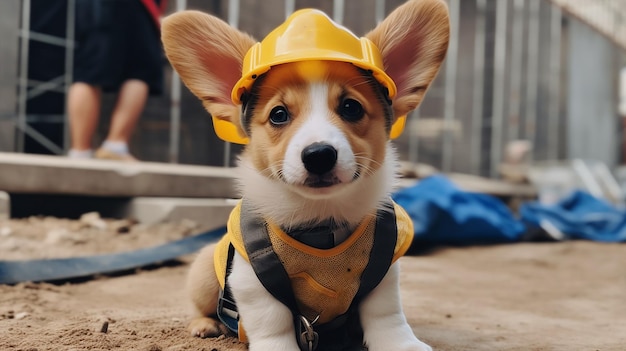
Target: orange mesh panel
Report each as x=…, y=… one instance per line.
x=325, y=281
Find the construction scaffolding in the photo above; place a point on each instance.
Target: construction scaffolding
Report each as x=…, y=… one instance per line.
x=606, y=16
x=29, y=88
x=507, y=77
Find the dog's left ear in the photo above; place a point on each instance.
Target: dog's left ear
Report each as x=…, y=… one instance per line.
x=413, y=41
x=207, y=53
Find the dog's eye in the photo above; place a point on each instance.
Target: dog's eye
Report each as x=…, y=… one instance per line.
x=351, y=110
x=279, y=116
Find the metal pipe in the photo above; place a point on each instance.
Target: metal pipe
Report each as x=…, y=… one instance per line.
x=587, y=178
x=233, y=20
x=532, y=72
x=515, y=101
x=379, y=10
x=233, y=13
x=39, y=138
x=603, y=173
x=175, y=106
x=497, y=114
x=290, y=7
x=175, y=115
x=40, y=87
x=23, y=76
x=44, y=38
x=338, y=10
x=413, y=136
x=478, y=89
x=69, y=66
x=450, y=86
x=555, y=84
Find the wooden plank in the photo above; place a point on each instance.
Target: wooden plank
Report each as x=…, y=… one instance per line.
x=22, y=173
x=476, y=184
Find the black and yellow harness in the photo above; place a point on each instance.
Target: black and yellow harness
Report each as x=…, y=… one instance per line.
x=322, y=287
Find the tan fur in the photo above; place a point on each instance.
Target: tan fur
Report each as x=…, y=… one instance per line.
x=269, y=144
x=367, y=137
x=207, y=54
x=203, y=288
x=413, y=50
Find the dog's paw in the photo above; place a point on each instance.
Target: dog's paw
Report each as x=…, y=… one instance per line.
x=423, y=347
x=415, y=345
x=419, y=346
x=204, y=327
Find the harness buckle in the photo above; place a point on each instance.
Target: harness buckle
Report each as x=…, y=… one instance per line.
x=227, y=310
x=307, y=337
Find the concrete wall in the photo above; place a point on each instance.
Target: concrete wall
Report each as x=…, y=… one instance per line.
x=592, y=126
x=199, y=145
x=8, y=71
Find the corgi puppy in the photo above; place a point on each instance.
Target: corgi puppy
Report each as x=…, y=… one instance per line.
x=315, y=178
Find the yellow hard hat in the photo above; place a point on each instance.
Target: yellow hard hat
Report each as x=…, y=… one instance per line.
x=397, y=127
x=307, y=35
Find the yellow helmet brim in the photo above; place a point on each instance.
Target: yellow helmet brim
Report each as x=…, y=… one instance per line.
x=227, y=131
x=398, y=127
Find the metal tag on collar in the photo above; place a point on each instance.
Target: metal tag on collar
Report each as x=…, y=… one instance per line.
x=307, y=337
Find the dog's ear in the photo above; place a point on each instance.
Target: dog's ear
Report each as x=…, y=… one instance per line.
x=207, y=53
x=413, y=41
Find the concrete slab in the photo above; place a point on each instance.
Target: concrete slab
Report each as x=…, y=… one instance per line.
x=22, y=173
x=37, y=174
x=208, y=213
x=477, y=184
x=5, y=205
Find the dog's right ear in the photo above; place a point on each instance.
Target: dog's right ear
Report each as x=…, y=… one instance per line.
x=207, y=53
x=413, y=41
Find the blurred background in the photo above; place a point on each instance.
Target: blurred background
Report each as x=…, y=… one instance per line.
x=524, y=82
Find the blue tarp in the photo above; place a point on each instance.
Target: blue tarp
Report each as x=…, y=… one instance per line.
x=443, y=214
x=579, y=216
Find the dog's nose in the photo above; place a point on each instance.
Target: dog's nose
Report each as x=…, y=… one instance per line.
x=319, y=158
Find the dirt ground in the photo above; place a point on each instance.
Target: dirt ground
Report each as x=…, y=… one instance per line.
x=531, y=296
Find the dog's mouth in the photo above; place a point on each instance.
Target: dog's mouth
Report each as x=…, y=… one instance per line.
x=318, y=187
x=326, y=181
x=321, y=182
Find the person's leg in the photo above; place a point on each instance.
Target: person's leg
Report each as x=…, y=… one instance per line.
x=131, y=100
x=130, y=103
x=137, y=41
x=83, y=104
x=90, y=75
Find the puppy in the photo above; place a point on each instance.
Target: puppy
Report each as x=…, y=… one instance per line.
x=309, y=260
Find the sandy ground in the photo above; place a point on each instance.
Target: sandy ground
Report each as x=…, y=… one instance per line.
x=532, y=296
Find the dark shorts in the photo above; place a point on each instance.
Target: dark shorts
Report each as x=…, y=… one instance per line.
x=117, y=40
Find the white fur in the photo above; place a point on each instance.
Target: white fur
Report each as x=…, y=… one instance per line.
x=318, y=128
x=268, y=323
x=276, y=200
x=384, y=324
x=289, y=207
